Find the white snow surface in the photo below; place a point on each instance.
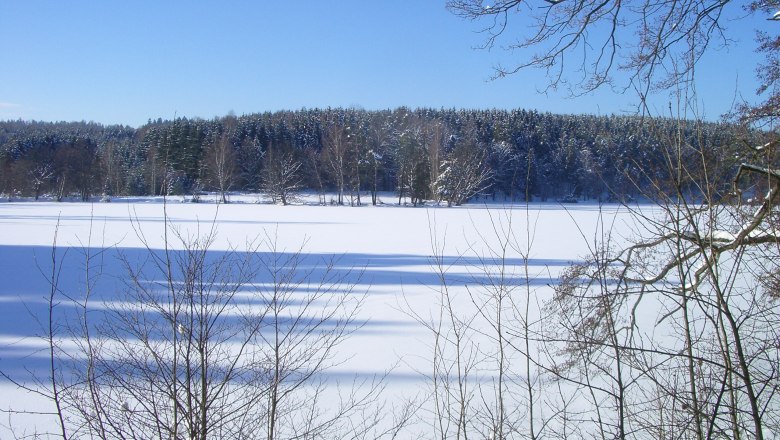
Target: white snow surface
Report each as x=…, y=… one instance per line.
x=392, y=244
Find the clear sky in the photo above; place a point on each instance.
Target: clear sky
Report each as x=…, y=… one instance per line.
x=129, y=61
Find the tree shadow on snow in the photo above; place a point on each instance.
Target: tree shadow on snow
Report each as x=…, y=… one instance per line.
x=27, y=274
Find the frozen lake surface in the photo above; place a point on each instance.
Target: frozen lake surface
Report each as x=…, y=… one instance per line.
x=387, y=252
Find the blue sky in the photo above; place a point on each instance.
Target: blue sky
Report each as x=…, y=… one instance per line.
x=127, y=62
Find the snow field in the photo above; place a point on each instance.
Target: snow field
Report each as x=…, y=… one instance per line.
x=389, y=254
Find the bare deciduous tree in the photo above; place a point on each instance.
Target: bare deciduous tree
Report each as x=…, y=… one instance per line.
x=221, y=159
x=676, y=324
x=488, y=370
x=40, y=176
x=210, y=344
x=463, y=174
x=335, y=145
x=281, y=180
x=656, y=43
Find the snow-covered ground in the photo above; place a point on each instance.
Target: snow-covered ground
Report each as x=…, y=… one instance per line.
x=392, y=246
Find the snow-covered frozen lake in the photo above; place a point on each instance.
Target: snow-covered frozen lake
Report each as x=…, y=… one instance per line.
x=393, y=247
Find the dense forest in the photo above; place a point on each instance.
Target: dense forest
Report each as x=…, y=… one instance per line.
x=422, y=155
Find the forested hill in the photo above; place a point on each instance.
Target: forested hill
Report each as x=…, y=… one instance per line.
x=421, y=154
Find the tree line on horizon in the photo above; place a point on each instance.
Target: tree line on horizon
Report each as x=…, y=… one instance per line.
x=420, y=154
